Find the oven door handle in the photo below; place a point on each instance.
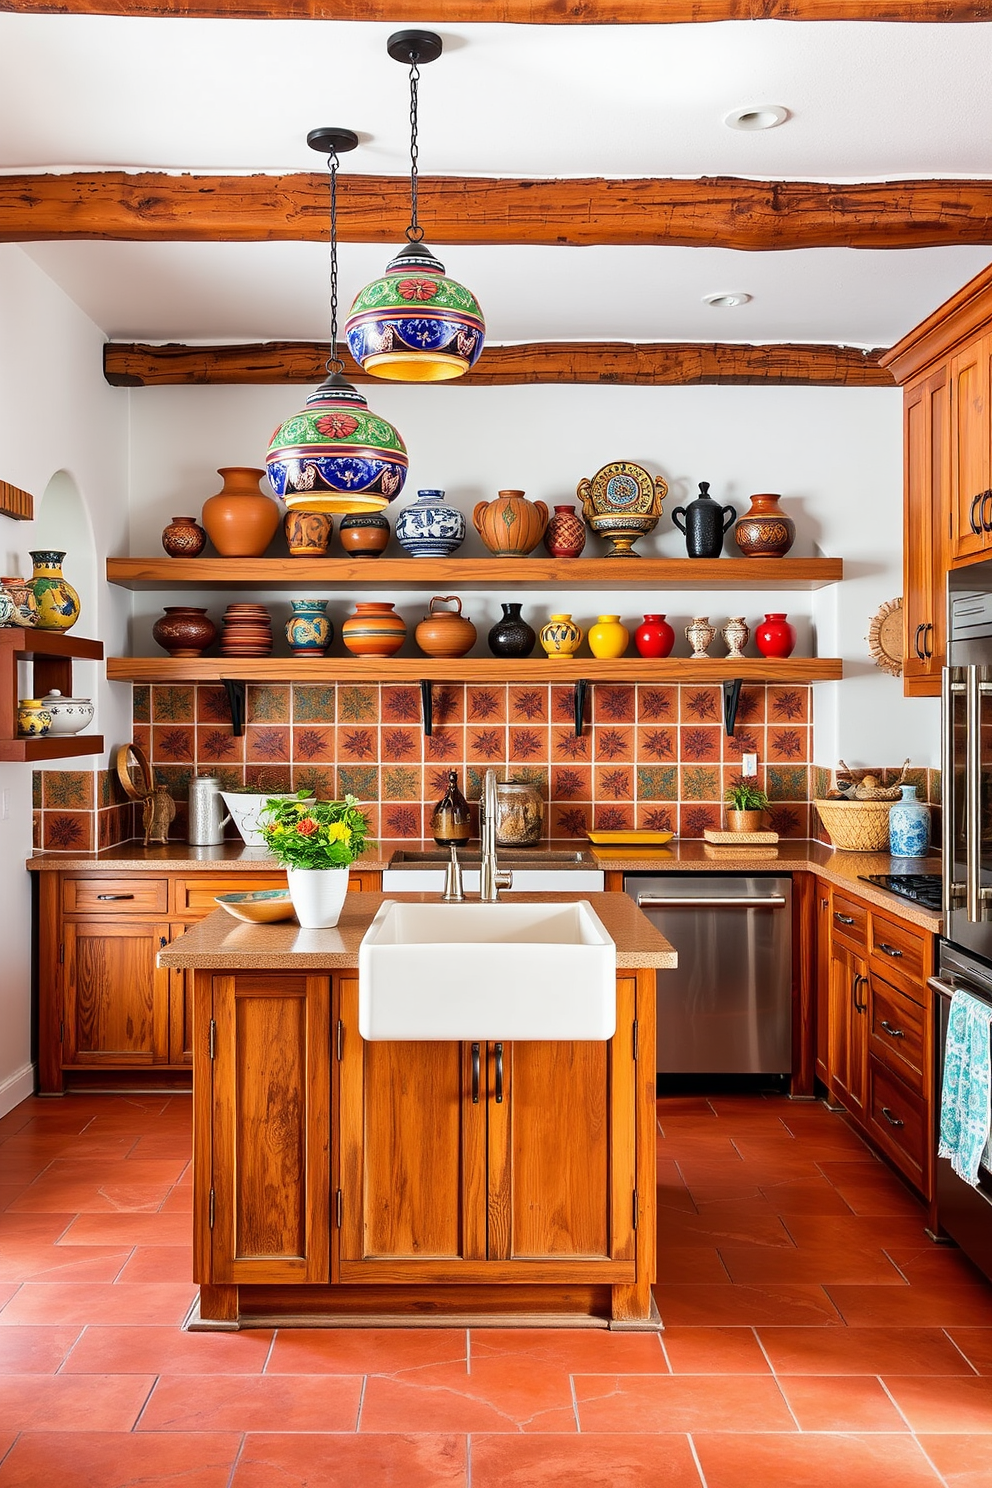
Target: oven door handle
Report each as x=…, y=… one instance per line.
x=972, y=796
x=942, y=988
x=651, y=901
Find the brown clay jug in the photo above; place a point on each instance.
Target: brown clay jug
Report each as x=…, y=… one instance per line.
x=511, y=526
x=445, y=632
x=240, y=520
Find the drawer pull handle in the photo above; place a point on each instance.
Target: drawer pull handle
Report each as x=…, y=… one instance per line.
x=888, y=950
x=499, y=1074
x=115, y=896
x=844, y=919
x=892, y=1120
x=973, y=514
x=475, y=1074
x=892, y=1032
x=859, y=1007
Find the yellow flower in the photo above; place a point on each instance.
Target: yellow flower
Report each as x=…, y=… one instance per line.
x=338, y=832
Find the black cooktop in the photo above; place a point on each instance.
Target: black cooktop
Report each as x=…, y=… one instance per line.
x=924, y=888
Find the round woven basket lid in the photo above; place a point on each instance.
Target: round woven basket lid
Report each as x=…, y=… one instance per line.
x=134, y=772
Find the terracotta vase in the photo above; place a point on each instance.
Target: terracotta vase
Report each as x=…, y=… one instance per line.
x=654, y=637
x=364, y=534
x=184, y=630
x=566, y=533
x=561, y=637
x=744, y=821
x=764, y=531
x=775, y=636
x=374, y=629
x=56, y=599
x=307, y=533
x=240, y=520
x=184, y=538
x=608, y=639
x=445, y=632
x=511, y=526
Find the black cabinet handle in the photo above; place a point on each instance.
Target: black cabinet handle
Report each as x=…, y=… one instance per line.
x=888, y=950
x=973, y=518
x=920, y=653
x=475, y=1074
x=860, y=1007
x=892, y=1032
x=163, y=942
x=892, y=1120
x=499, y=1074
x=115, y=896
x=986, y=511
x=844, y=919
x=927, y=638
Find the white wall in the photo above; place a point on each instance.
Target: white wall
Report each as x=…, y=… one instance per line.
x=60, y=425
x=834, y=454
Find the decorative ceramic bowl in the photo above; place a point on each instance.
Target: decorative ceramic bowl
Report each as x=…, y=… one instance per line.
x=68, y=714
x=261, y=907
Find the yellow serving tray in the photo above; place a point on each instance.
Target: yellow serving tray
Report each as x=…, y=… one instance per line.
x=635, y=839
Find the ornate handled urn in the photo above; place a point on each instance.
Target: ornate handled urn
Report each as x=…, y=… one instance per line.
x=622, y=503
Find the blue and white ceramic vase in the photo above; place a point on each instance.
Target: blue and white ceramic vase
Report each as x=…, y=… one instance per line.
x=308, y=629
x=909, y=826
x=429, y=527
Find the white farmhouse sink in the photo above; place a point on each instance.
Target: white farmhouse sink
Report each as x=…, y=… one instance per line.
x=487, y=971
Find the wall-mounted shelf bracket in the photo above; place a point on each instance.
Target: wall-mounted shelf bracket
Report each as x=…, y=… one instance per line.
x=579, y=705
x=731, y=698
x=427, y=706
x=236, y=692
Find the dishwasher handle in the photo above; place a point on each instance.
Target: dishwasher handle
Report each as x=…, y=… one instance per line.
x=772, y=901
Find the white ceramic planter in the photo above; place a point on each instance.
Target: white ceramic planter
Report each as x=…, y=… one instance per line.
x=245, y=809
x=318, y=895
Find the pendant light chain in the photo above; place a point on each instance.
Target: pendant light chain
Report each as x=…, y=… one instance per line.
x=334, y=362
x=414, y=232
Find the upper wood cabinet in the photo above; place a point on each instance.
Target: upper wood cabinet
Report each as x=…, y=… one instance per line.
x=970, y=497
x=926, y=530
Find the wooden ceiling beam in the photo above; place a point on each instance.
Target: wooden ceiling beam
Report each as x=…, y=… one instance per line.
x=710, y=211
x=610, y=363
x=524, y=12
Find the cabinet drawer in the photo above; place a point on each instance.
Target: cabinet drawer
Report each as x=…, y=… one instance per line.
x=898, y=1034
x=900, y=953
x=849, y=921
x=138, y=894
x=898, y=1121
x=195, y=896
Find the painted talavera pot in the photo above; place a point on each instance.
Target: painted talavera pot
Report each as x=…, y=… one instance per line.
x=621, y=503
x=374, y=629
x=561, y=637
x=335, y=455
x=318, y=895
x=184, y=538
x=240, y=520
x=307, y=533
x=909, y=826
x=511, y=526
x=56, y=600
x=566, y=533
x=33, y=719
x=308, y=629
x=429, y=527
x=764, y=531
x=415, y=324
x=608, y=639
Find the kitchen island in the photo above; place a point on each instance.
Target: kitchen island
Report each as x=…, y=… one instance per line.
x=341, y=1180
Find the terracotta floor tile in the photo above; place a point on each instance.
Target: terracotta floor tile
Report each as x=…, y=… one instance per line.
x=179, y=1200
x=497, y=1396
x=745, y=1306
x=571, y=1350
x=745, y=1223
x=675, y=1196
x=379, y=1461
x=7, y=1290
x=102, y=1459
x=133, y=1349
x=931, y=1305
x=615, y=1402
x=812, y=1460
x=860, y=1231
x=57, y=1402
x=926, y=1351
x=927, y=1263
x=32, y=1229
x=114, y=1195
x=128, y=1229
x=634, y=1461
x=942, y=1404
x=694, y=1263
x=365, y=1350
x=832, y=1402
x=714, y=1351
x=48, y=1263
x=159, y=1263
x=35, y=1350
x=872, y=1190
x=760, y=1264
x=162, y=1302
x=962, y=1460
x=976, y=1345
x=253, y=1402
x=815, y=1195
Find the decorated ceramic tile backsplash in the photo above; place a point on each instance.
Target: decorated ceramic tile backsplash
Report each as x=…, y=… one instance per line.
x=79, y=810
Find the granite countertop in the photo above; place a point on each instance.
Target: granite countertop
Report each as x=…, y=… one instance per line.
x=181, y=857
x=221, y=943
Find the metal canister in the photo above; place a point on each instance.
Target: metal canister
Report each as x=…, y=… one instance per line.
x=206, y=819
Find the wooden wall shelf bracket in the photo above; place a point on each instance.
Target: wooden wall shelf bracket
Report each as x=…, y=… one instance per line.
x=731, y=699
x=236, y=695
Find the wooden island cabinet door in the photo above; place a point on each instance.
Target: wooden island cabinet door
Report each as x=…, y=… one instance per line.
x=270, y=1107
x=116, y=1002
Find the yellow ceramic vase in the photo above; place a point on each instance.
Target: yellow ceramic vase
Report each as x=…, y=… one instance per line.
x=561, y=637
x=608, y=639
x=56, y=599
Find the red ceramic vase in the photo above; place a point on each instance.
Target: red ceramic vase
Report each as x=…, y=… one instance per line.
x=654, y=637
x=565, y=536
x=775, y=636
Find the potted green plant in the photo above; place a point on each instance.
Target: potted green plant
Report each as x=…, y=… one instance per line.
x=316, y=841
x=746, y=805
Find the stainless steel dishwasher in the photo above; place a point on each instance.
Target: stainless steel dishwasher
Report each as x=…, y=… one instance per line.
x=727, y=1009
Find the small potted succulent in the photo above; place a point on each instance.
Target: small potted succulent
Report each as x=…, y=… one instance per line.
x=316, y=841
x=746, y=805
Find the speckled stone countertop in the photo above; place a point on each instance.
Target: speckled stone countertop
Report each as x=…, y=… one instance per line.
x=220, y=943
x=180, y=857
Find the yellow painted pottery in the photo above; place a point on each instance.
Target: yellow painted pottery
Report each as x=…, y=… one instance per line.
x=511, y=526
x=561, y=637
x=608, y=639
x=33, y=718
x=55, y=598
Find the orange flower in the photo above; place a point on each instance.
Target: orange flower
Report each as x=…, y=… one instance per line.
x=306, y=826
x=417, y=289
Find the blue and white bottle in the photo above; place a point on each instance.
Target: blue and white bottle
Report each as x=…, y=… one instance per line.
x=429, y=527
x=909, y=826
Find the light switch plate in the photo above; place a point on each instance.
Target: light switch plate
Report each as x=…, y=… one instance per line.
x=749, y=764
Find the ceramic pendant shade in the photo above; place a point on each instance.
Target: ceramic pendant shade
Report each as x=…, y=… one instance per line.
x=415, y=324
x=336, y=456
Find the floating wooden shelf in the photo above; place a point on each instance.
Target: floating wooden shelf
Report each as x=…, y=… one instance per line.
x=57, y=746
x=535, y=572
x=52, y=652
x=469, y=669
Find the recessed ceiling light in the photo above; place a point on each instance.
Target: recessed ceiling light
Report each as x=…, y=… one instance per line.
x=728, y=300
x=758, y=116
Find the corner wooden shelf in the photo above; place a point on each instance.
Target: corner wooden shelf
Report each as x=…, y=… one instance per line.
x=52, y=653
x=535, y=572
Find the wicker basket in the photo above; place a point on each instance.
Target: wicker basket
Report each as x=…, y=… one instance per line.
x=856, y=826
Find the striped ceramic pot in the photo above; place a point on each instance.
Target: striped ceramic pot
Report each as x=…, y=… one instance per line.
x=373, y=630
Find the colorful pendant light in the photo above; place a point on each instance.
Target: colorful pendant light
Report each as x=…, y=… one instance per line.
x=415, y=324
x=334, y=455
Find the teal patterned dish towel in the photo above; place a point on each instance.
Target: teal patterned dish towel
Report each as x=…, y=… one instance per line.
x=966, y=1099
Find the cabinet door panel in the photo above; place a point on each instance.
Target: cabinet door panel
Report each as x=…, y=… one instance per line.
x=970, y=416
x=116, y=998
x=925, y=531
x=848, y=1027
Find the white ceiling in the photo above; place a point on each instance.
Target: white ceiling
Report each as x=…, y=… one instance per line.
x=867, y=102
